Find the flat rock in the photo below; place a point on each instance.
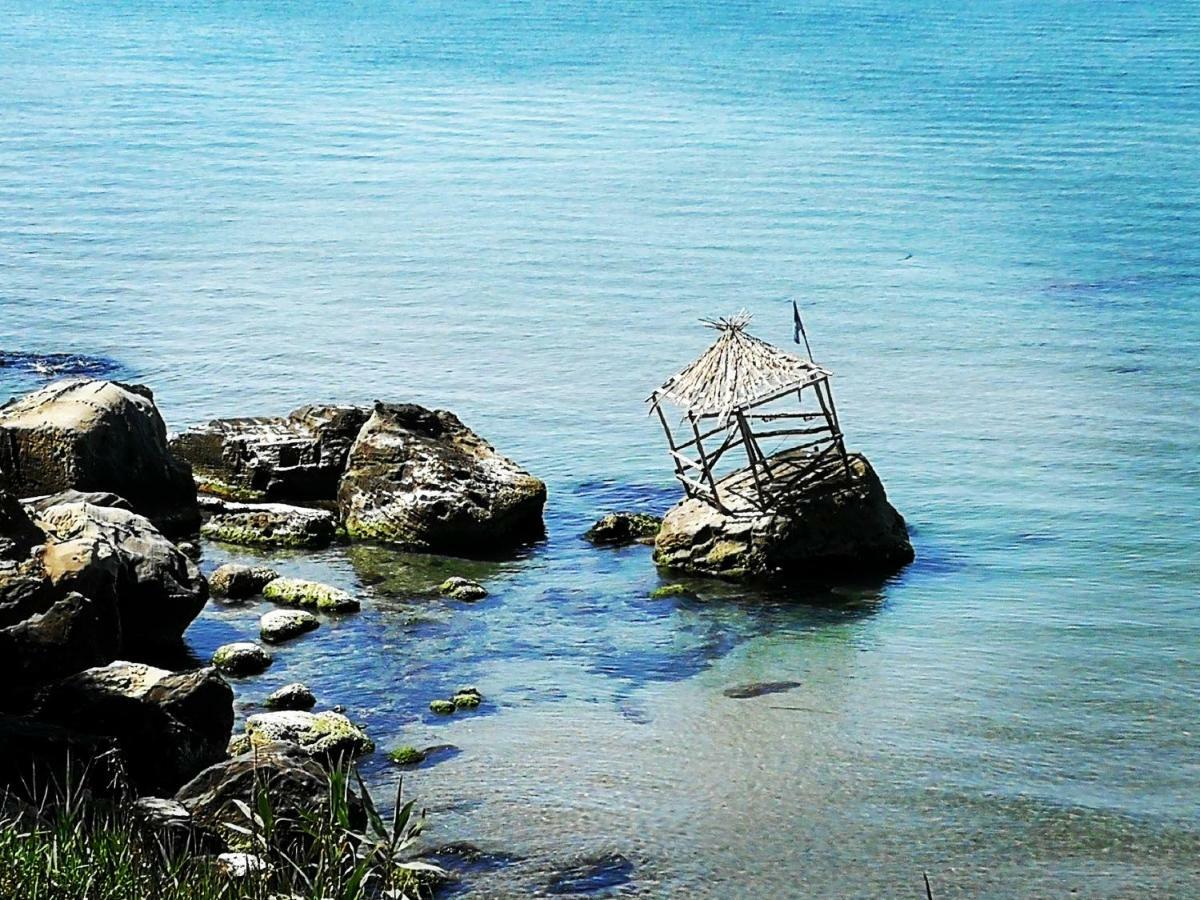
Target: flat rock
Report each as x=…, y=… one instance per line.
x=169, y=725
x=847, y=530
x=284, y=624
x=96, y=436
x=299, y=456
x=271, y=525
x=241, y=658
x=310, y=594
x=294, y=696
x=106, y=551
x=235, y=581
x=422, y=480
x=323, y=735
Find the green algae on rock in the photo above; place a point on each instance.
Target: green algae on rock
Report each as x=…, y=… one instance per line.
x=463, y=589
x=241, y=658
x=271, y=525
x=235, y=581
x=621, y=528
x=310, y=594
x=325, y=734
x=442, y=707
x=406, y=756
x=670, y=590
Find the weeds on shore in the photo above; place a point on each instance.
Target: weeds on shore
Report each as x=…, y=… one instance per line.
x=76, y=847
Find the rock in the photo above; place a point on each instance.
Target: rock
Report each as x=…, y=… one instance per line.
x=271, y=525
x=170, y=825
x=406, y=756
x=237, y=582
x=848, y=531
x=466, y=700
x=324, y=735
x=463, y=589
x=294, y=696
x=758, y=689
x=169, y=725
x=310, y=594
x=283, y=624
x=442, y=707
x=239, y=866
x=295, y=457
x=18, y=534
x=34, y=755
x=592, y=875
x=423, y=480
x=617, y=529
x=241, y=658
x=105, y=551
x=239, y=744
x=669, y=590
x=297, y=785
x=96, y=436
x=74, y=633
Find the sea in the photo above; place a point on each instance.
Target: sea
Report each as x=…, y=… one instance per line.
x=989, y=217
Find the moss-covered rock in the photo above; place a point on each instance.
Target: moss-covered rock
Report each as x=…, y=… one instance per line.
x=406, y=756
x=620, y=528
x=670, y=590
x=309, y=594
x=284, y=624
x=271, y=525
x=466, y=701
x=237, y=582
x=442, y=707
x=325, y=735
x=463, y=589
x=241, y=658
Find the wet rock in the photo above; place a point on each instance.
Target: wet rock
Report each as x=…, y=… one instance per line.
x=294, y=696
x=96, y=436
x=466, y=698
x=169, y=725
x=422, y=480
x=284, y=624
x=271, y=525
x=241, y=658
x=106, y=551
x=297, y=785
x=310, y=594
x=237, y=582
x=324, y=735
x=669, y=590
x=406, y=756
x=463, y=589
x=848, y=531
x=590, y=875
x=617, y=529
x=759, y=688
x=300, y=456
x=442, y=707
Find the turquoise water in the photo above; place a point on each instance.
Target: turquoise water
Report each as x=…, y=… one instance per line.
x=518, y=212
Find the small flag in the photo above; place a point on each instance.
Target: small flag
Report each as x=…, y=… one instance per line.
x=798, y=331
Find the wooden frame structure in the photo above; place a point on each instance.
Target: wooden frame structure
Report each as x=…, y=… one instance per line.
x=739, y=393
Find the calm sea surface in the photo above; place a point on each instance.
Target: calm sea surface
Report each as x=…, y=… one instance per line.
x=518, y=211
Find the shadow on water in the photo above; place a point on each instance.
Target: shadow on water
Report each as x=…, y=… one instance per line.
x=49, y=366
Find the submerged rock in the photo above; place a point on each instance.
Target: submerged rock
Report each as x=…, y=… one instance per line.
x=406, y=756
x=589, y=875
x=310, y=594
x=106, y=551
x=96, y=436
x=669, y=590
x=422, y=480
x=463, y=589
x=241, y=658
x=759, y=689
x=283, y=624
x=848, y=531
x=620, y=528
x=299, y=456
x=169, y=725
x=237, y=582
x=271, y=525
x=294, y=696
x=324, y=735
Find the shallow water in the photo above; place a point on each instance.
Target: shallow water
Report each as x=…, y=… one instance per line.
x=518, y=212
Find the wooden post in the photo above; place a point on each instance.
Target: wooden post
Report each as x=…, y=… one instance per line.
x=751, y=452
x=831, y=415
x=705, y=471
x=671, y=443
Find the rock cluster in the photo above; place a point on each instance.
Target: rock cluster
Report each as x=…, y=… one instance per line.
x=617, y=529
x=850, y=530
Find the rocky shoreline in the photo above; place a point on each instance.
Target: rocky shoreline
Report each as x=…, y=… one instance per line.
x=93, y=589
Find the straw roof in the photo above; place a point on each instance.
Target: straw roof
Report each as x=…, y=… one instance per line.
x=736, y=371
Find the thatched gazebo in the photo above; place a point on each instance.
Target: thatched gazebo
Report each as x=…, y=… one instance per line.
x=740, y=393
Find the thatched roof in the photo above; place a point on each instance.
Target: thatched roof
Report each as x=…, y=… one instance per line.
x=737, y=370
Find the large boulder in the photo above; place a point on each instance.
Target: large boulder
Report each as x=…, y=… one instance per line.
x=96, y=436
x=271, y=525
x=299, y=456
x=106, y=551
x=73, y=633
x=169, y=725
x=297, y=785
x=846, y=529
x=18, y=534
x=422, y=480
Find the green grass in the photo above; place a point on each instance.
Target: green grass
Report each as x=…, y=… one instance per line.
x=86, y=849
